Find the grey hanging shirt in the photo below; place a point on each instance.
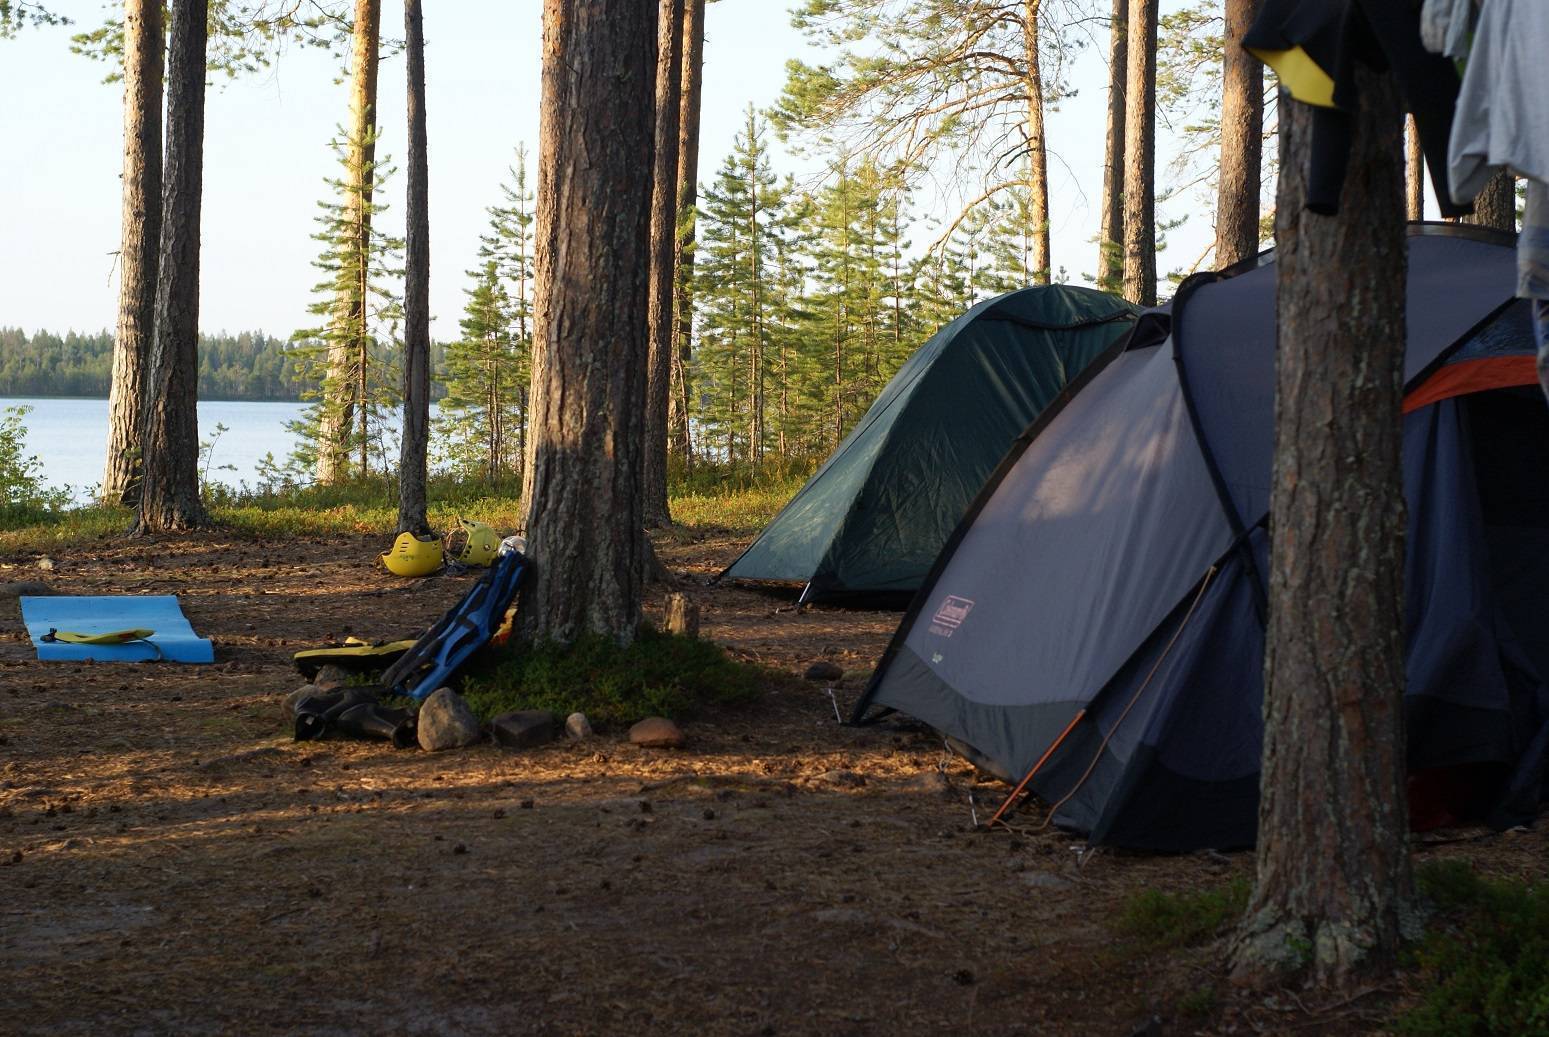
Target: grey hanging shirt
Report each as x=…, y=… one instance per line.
x=1444, y=27
x=1502, y=116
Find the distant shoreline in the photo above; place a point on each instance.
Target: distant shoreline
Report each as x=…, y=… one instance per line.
x=5, y=397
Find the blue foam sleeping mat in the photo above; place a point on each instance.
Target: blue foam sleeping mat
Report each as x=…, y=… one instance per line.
x=102, y=614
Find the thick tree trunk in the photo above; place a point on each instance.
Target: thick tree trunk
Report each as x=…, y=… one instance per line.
x=1242, y=141
x=1333, y=885
x=1110, y=234
x=1414, y=173
x=169, y=491
x=584, y=524
x=1496, y=205
x=340, y=401
x=1037, y=146
x=415, y=439
x=680, y=392
x=1140, y=155
x=664, y=234
x=144, y=46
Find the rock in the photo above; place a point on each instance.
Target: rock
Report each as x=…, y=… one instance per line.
x=983, y=764
x=931, y=782
x=682, y=616
x=577, y=726
x=294, y=699
x=823, y=670
x=1045, y=880
x=657, y=733
x=844, y=779
x=46, y=564
x=524, y=728
x=25, y=589
x=446, y=722
x=329, y=677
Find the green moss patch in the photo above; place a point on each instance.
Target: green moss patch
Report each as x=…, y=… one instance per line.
x=657, y=675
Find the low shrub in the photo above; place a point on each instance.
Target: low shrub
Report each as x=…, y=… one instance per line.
x=1485, y=963
x=656, y=675
x=24, y=497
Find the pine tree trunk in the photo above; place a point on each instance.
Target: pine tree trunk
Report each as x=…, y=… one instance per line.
x=664, y=234
x=144, y=46
x=584, y=520
x=1037, y=147
x=415, y=440
x=1496, y=205
x=340, y=399
x=1140, y=155
x=169, y=492
x=1110, y=234
x=1333, y=883
x=1414, y=176
x=680, y=393
x=1242, y=141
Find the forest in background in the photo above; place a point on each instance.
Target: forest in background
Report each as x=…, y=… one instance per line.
x=249, y=365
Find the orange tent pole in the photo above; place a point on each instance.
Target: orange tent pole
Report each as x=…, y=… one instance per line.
x=1006, y=806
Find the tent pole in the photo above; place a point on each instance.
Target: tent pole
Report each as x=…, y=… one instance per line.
x=1017, y=792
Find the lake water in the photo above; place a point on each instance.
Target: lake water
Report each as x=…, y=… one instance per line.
x=70, y=437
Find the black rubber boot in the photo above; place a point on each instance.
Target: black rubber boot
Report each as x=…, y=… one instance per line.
x=372, y=720
x=317, y=714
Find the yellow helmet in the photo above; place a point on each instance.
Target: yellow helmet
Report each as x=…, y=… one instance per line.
x=473, y=543
x=413, y=556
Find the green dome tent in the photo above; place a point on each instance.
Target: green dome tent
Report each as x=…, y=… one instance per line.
x=872, y=519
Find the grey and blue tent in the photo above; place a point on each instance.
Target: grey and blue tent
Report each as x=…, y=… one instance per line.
x=872, y=519
x=1108, y=584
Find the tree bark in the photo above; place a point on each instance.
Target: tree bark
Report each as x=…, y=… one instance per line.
x=144, y=46
x=415, y=439
x=1496, y=204
x=169, y=492
x=1140, y=154
x=1110, y=240
x=1414, y=175
x=664, y=233
x=680, y=391
x=1333, y=881
x=339, y=402
x=1242, y=141
x=1037, y=146
x=584, y=515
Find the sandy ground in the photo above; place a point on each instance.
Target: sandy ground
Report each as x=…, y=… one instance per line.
x=171, y=862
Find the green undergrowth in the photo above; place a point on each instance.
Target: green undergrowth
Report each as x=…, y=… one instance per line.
x=656, y=675
x=737, y=502
x=1484, y=964
x=1158, y=920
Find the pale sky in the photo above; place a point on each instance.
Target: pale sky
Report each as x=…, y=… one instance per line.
x=266, y=157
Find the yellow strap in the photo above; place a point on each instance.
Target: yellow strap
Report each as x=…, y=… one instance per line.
x=1300, y=75
x=114, y=637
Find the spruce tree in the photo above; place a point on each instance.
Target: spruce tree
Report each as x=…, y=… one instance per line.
x=483, y=418
x=361, y=312
x=733, y=281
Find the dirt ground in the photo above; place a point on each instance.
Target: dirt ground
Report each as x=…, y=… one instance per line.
x=171, y=862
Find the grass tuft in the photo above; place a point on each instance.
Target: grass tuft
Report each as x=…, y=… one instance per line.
x=1158, y=920
x=657, y=675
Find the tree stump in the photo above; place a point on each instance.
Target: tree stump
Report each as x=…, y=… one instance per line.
x=682, y=616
